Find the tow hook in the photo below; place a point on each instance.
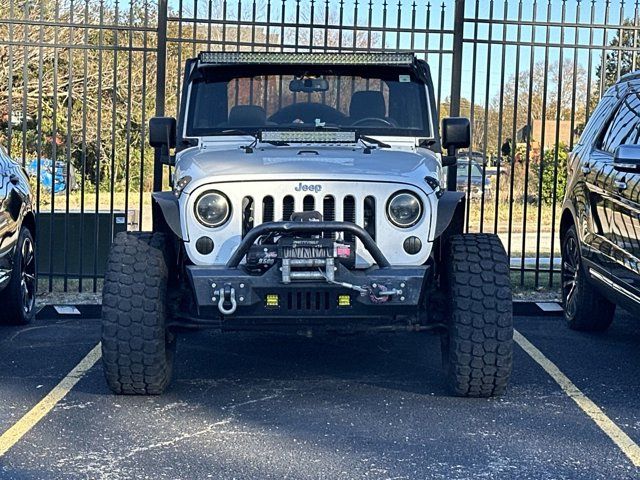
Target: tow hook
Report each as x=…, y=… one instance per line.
x=382, y=294
x=390, y=292
x=227, y=295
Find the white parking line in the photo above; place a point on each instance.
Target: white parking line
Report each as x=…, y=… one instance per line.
x=19, y=429
x=621, y=439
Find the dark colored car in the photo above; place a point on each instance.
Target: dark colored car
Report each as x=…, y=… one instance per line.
x=471, y=180
x=17, y=244
x=477, y=157
x=600, y=227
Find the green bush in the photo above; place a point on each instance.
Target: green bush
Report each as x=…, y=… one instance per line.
x=554, y=173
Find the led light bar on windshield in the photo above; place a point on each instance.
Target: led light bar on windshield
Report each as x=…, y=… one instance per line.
x=229, y=58
x=308, y=136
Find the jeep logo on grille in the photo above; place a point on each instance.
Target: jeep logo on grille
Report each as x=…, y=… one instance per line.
x=304, y=187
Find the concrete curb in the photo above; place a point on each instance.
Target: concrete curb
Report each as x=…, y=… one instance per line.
x=89, y=311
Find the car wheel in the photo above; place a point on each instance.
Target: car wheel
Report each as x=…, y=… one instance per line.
x=137, y=348
x=478, y=348
x=585, y=308
x=18, y=299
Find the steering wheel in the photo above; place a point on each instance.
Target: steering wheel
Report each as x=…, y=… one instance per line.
x=307, y=112
x=372, y=119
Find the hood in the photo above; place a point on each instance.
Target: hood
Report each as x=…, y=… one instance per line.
x=207, y=164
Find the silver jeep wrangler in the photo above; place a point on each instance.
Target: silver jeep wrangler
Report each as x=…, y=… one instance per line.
x=308, y=194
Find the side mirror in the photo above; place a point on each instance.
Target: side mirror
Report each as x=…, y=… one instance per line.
x=456, y=133
x=162, y=132
x=627, y=158
x=162, y=136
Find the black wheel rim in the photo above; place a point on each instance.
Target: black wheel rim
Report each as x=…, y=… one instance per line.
x=570, y=273
x=28, y=276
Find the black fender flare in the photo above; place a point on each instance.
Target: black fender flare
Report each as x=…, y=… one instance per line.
x=451, y=214
x=166, y=213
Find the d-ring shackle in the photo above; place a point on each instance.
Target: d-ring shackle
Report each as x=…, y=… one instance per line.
x=227, y=294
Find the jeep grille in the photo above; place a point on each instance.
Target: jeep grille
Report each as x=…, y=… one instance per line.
x=257, y=202
x=325, y=205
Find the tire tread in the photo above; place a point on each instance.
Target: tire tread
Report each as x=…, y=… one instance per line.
x=136, y=356
x=480, y=339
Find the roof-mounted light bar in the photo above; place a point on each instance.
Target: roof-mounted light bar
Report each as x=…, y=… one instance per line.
x=233, y=58
x=308, y=136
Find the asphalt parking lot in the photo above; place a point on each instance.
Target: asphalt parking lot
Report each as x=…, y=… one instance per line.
x=275, y=406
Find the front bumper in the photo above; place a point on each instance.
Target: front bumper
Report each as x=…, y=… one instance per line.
x=224, y=294
x=254, y=295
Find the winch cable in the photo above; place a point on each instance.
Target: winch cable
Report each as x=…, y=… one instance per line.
x=366, y=290
x=305, y=252
x=350, y=286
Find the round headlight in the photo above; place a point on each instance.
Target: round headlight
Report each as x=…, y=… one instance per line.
x=404, y=209
x=212, y=209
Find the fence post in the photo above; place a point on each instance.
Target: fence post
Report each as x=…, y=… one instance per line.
x=456, y=80
x=161, y=75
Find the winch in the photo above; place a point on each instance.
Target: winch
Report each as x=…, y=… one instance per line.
x=301, y=258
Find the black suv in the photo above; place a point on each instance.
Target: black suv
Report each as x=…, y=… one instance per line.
x=17, y=247
x=600, y=227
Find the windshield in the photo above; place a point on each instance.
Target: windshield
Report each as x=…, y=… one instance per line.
x=375, y=101
x=463, y=170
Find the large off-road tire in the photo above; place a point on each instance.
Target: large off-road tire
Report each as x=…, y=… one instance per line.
x=137, y=348
x=585, y=308
x=18, y=297
x=478, y=345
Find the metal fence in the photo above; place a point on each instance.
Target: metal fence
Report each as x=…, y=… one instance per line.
x=79, y=80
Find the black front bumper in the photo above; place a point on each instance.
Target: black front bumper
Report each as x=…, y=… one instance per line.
x=309, y=299
x=225, y=294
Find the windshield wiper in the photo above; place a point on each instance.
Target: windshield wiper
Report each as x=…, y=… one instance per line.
x=256, y=138
x=379, y=143
x=427, y=142
x=239, y=131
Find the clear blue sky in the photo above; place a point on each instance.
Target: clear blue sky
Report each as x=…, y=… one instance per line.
x=572, y=36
